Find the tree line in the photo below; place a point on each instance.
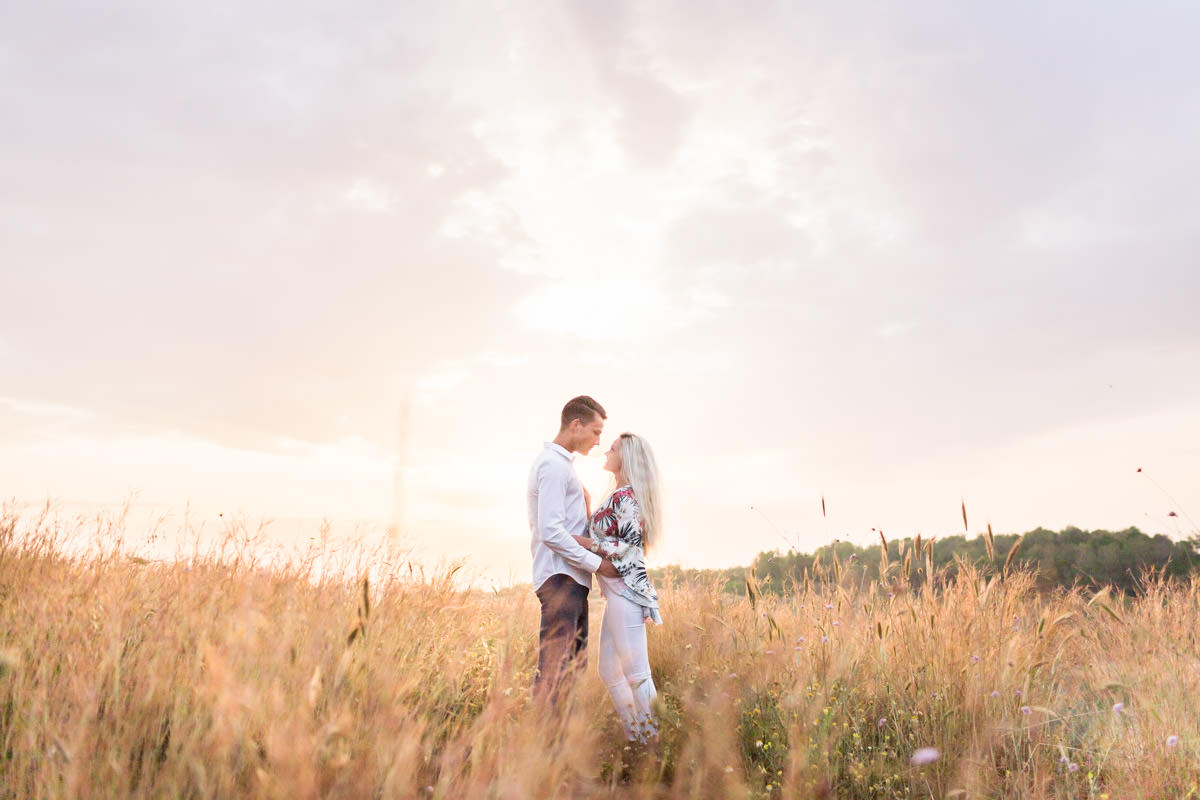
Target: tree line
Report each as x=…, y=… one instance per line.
x=1059, y=559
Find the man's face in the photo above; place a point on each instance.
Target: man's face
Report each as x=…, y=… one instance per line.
x=587, y=434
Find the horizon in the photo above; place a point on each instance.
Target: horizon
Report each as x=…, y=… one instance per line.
x=164, y=536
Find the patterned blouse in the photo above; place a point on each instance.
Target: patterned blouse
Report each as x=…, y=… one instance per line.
x=617, y=527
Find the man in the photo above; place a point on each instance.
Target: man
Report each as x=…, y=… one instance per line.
x=562, y=570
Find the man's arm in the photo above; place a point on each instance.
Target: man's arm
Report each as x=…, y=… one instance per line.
x=604, y=547
x=606, y=568
x=552, y=522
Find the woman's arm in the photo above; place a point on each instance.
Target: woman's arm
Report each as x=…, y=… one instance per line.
x=628, y=527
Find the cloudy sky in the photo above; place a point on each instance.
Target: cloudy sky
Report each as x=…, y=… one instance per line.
x=348, y=260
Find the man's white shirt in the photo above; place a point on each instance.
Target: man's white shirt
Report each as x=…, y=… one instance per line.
x=557, y=513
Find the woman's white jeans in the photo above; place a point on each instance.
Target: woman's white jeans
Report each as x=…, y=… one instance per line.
x=624, y=663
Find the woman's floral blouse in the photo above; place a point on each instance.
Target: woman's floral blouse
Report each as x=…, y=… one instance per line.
x=617, y=526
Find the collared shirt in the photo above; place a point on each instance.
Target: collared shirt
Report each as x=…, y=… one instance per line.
x=557, y=513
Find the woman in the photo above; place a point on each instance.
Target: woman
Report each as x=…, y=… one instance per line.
x=621, y=529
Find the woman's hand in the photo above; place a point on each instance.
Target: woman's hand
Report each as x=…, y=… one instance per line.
x=584, y=541
x=587, y=502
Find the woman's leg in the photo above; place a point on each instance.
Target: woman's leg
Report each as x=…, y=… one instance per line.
x=625, y=665
x=610, y=668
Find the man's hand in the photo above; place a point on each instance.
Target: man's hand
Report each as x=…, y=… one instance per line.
x=607, y=569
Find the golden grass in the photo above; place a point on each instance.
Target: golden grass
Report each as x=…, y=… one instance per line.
x=217, y=677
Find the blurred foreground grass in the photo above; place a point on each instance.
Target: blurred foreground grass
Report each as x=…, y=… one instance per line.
x=215, y=676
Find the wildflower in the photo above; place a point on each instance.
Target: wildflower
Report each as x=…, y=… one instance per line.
x=758, y=743
x=824, y=640
x=770, y=652
x=799, y=638
x=1026, y=710
x=974, y=659
x=926, y=755
x=728, y=769
x=1172, y=740
x=995, y=695
x=1064, y=760
x=1019, y=693
x=882, y=722
x=828, y=606
x=836, y=622
x=1118, y=708
x=1072, y=767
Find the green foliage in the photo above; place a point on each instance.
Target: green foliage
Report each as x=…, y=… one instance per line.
x=1060, y=560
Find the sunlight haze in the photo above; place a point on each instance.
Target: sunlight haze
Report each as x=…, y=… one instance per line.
x=347, y=261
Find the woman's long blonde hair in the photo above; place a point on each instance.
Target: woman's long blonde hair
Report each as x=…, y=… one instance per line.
x=641, y=471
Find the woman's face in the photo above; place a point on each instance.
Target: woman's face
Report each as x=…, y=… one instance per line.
x=612, y=459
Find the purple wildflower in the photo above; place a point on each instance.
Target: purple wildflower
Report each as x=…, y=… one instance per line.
x=926, y=755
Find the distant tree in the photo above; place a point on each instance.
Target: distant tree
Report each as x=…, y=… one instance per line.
x=1060, y=559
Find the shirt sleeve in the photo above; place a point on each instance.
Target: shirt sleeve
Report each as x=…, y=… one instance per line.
x=626, y=530
x=552, y=520
x=613, y=549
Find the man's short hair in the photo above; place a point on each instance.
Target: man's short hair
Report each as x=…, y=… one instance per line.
x=582, y=408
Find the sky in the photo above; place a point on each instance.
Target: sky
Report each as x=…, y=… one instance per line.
x=346, y=261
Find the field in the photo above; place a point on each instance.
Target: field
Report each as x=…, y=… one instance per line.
x=215, y=676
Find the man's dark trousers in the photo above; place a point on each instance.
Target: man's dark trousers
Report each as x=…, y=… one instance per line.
x=562, y=639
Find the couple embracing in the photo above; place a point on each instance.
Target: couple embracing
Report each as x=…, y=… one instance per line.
x=570, y=541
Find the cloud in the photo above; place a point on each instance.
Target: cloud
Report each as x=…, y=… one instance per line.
x=430, y=386
x=25, y=421
x=632, y=310
x=744, y=238
x=214, y=234
x=652, y=120
x=370, y=197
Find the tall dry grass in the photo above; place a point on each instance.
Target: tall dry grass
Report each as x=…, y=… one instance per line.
x=216, y=676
